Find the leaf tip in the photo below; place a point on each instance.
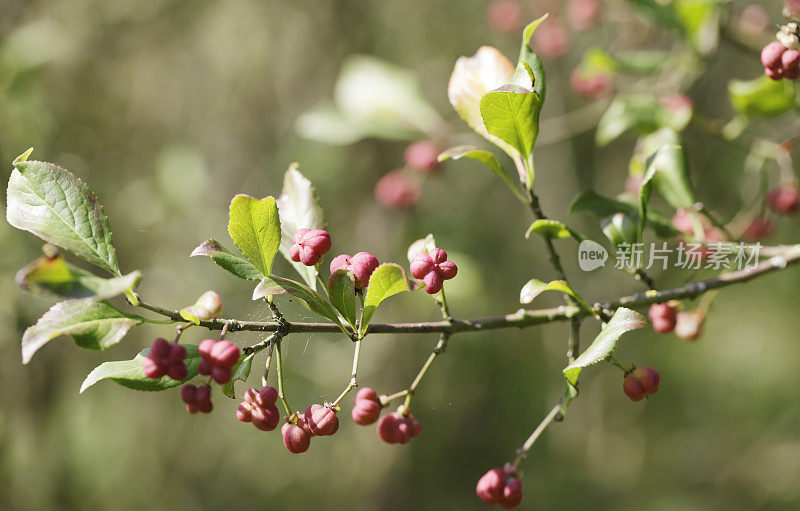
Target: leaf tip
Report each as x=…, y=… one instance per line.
x=23, y=157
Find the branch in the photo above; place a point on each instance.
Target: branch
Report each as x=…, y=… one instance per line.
x=783, y=257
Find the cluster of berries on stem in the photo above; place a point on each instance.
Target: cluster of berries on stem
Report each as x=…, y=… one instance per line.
x=500, y=486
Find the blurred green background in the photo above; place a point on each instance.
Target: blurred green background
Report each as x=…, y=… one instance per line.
x=168, y=108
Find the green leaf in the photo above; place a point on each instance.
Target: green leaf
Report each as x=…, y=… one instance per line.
x=342, y=293
x=763, y=97
x=56, y=206
x=511, y=114
x=528, y=56
x=534, y=288
x=485, y=157
x=700, y=22
x=602, y=207
x=130, y=373
x=207, y=306
x=623, y=321
x=387, y=280
x=236, y=265
x=92, y=325
x=597, y=60
x=666, y=172
x=620, y=229
x=255, y=228
x=640, y=112
x=299, y=208
x=553, y=229
x=273, y=285
x=52, y=276
x=240, y=372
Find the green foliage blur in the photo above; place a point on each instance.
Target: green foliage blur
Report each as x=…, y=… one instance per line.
x=169, y=108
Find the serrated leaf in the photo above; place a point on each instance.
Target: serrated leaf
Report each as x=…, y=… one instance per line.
x=223, y=257
x=255, y=228
x=314, y=301
x=130, y=373
x=207, y=306
x=387, y=280
x=534, y=288
x=763, y=97
x=511, y=114
x=342, y=293
x=240, y=372
x=53, y=204
x=299, y=208
x=485, y=157
x=553, y=229
x=92, y=325
x=53, y=276
x=623, y=321
x=602, y=207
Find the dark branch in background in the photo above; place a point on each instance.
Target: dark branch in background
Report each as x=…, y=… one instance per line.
x=781, y=257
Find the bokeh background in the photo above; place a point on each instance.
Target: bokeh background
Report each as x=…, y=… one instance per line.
x=168, y=108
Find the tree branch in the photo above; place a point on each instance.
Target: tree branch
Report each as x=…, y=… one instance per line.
x=781, y=258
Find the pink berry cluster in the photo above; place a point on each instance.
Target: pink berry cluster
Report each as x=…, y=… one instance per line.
x=402, y=188
x=219, y=357
x=784, y=199
x=318, y=420
x=197, y=398
x=434, y=269
x=780, y=62
x=259, y=408
x=665, y=318
x=640, y=383
x=165, y=358
x=361, y=265
x=500, y=486
x=309, y=245
x=398, y=428
x=367, y=407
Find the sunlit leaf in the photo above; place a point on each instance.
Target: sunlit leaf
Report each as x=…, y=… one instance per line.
x=314, y=301
x=255, y=228
x=236, y=265
x=387, y=280
x=342, y=292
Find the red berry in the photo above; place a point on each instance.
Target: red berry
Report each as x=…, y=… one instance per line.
x=771, y=55
x=361, y=265
x=433, y=268
x=218, y=359
x=197, y=398
x=309, y=245
x=422, y=155
x=785, y=199
x=321, y=420
x=663, y=316
x=490, y=486
x=396, y=429
x=790, y=59
x=640, y=383
x=295, y=437
x=367, y=407
x=165, y=358
x=512, y=493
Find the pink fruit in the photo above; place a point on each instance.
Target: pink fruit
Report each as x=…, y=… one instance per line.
x=434, y=269
x=197, y=399
x=663, y=317
x=490, y=486
x=367, y=407
x=396, y=429
x=640, y=383
x=771, y=55
x=689, y=326
x=259, y=408
x=551, y=39
x=361, y=265
x=219, y=357
x=396, y=190
x=165, y=358
x=758, y=229
x=309, y=245
x=512, y=493
x=591, y=85
x=321, y=420
x=422, y=155
x=295, y=437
